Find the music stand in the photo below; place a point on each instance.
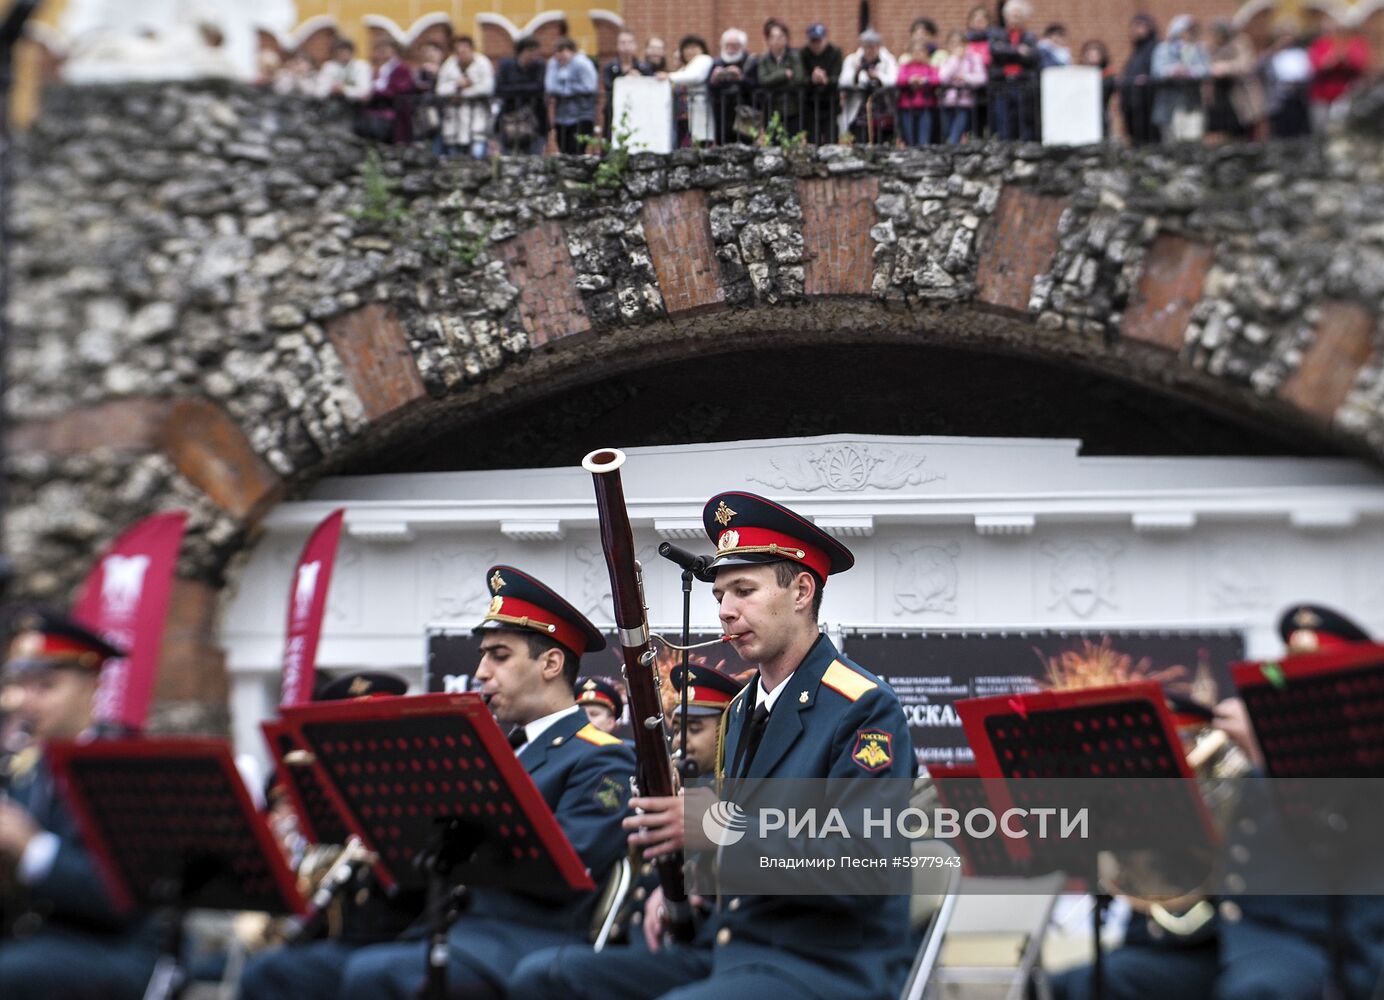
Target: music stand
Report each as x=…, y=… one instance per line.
x=317, y=818
x=171, y=826
x=433, y=788
x=1321, y=716
x=960, y=787
x=1122, y=732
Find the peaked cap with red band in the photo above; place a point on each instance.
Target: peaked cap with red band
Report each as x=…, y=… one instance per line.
x=518, y=601
x=750, y=530
x=709, y=692
x=1310, y=628
x=594, y=691
x=46, y=640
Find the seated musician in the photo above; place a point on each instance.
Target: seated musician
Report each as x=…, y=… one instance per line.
x=708, y=697
x=804, y=715
x=1274, y=947
x=530, y=642
x=62, y=938
x=601, y=703
x=363, y=915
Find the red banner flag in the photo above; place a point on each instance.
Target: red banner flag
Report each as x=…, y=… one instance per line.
x=125, y=598
x=307, y=602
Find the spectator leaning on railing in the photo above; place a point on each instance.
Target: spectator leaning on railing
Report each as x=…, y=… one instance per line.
x=1096, y=55
x=1287, y=71
x=465, y=84
x=388, y=115
x=625, y=63
x=1237, y=93
x=962, y=75
x=523, y=124
x=726, y=86
x=776, y=77
x=692, y=107
x=570, y=84
x=343, y=75
x=821, y=69
x=1136, y=81
x=865, y=74
x=1014, y=74
x=917, y=97
x=656, y=55
x=1052, y=47
x=1180, y=64
x=1339, y=61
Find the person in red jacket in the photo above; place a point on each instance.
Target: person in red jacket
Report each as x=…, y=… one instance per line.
x=389, y=111
x=1339, y=59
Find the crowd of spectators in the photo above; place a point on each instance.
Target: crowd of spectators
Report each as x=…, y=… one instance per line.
x=946, y=86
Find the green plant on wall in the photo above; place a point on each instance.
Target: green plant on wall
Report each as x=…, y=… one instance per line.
x=776, y=134
x=379, y=206
x=614, y=153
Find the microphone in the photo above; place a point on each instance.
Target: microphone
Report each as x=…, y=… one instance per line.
x=696, y=565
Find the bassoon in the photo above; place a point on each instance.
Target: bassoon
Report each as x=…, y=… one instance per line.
x=654, y=761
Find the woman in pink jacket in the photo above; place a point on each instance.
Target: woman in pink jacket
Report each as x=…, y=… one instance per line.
x=962, y=73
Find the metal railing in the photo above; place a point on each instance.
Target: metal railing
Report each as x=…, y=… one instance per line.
x=1140, y=112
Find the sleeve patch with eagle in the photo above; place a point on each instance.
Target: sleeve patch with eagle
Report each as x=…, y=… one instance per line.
x=874, y=750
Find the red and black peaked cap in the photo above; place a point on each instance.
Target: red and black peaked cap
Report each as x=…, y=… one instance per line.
x=518, y=601
x=749, y=530
x=46, y=640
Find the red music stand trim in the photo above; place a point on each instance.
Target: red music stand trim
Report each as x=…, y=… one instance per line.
x=397, y=768
x=960, y=787
x=144, y=805
x=317, y=817
x=1318, y=714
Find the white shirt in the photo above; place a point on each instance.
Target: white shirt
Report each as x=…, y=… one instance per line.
x=767, y=698
x=536, y=728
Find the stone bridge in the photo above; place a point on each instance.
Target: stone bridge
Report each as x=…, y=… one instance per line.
x=221, y=295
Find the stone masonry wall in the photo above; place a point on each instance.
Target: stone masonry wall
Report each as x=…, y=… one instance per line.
x=220, y=294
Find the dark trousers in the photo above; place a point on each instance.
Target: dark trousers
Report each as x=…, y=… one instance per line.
x=567, y=137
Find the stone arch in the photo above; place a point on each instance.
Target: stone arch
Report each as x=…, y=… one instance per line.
x=300, y=315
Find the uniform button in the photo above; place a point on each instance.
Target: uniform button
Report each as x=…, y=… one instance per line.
x=646, y=868
x=636, y=919
x=723, y=936
x=557, y=741
x=1239, y=853
x=640, y=893
x=1230, y=911
x=1248, y=827
x=734, y=904
x=1234, y=882
x=362, y=897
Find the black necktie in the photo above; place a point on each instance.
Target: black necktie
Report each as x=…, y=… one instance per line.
x=758, y=723
x=518, y=737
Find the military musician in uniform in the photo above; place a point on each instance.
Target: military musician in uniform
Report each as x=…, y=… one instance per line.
x=530, y=643
x=63, y=938
x=1270, y=946
x=808, y=713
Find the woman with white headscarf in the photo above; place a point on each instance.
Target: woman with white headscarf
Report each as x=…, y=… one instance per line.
x=1180, y=63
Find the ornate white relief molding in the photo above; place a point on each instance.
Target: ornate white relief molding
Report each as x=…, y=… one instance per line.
x=458, y=582
x=926, y=577
x=679, y=529
x=1081, y=577
x=859, y=526
x=846, y=468
x=1238, y=576
x=345, y=595
x=597, y=603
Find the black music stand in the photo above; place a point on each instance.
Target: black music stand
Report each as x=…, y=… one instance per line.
x=1122, y=732
x=1321, y=716
x=172, y=827
x=960, y=787
x=433, y=788
x=317, y=818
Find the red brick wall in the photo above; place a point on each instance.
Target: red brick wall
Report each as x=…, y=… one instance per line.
x=1107, y=20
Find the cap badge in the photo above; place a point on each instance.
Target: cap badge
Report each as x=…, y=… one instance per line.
x=496, y=582
x=496, y=603
x=723, y=514
x=589, y=686
x=359, y=686
x=1306, y=618
x=728, y=540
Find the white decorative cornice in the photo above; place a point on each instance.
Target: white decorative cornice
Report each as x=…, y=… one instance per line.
x=532, y=531
x=380, y=532
x=858, y=526
x=846, y=468
x=1163, y=522
x=1005, y=524
x=678, y=529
